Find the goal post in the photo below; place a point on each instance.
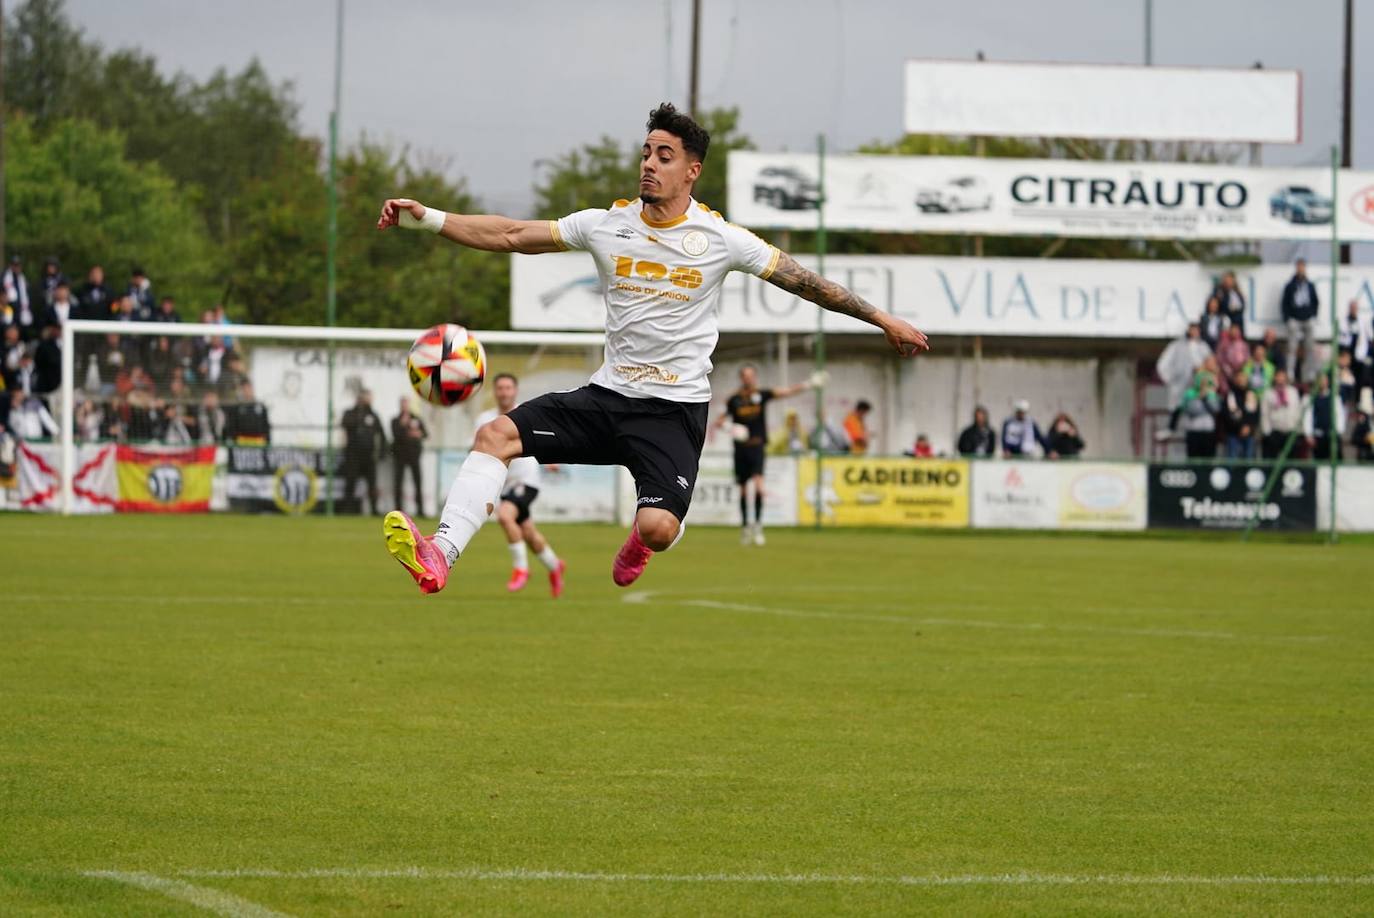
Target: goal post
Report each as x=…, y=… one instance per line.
x=150, y=386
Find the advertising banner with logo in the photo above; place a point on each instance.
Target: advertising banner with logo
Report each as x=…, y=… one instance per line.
x=1106, y=101
x=1101, y=495
x=164, y=479
x=40, y=478
x=1058, y=495
x=567, y=493
x=1229, y=497
x=278, y=479
x=964, y=296
x=1049, y=197
x=1015, y=495
x=862, y=491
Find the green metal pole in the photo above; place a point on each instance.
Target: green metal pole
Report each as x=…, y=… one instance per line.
x=331, y=261
x=820, y=327
x=1335, y=389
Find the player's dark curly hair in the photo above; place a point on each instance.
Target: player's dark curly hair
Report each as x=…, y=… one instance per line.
x=694, y=138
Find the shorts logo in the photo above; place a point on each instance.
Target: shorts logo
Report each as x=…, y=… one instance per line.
x=544, y=433
x=695, y=243
x=651, y=500
x=682, y=482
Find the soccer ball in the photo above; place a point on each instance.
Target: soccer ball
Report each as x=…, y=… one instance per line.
x=446, y=365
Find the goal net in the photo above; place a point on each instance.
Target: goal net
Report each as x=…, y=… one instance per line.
x=169, y=417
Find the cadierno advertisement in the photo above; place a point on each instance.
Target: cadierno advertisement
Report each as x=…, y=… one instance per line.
x=864, y=491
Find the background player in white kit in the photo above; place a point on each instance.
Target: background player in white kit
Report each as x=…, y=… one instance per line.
x=521, y=490
x=661, y=259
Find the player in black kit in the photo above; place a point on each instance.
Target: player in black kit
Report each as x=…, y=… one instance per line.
x=750, y=432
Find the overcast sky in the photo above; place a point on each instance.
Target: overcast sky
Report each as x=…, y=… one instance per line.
x=493, y=86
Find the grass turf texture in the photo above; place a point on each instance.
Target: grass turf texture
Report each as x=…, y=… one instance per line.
x=196, y=694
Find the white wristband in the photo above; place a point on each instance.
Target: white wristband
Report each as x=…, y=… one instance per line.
x=432, y=221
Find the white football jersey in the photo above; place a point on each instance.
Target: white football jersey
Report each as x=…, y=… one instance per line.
x=661, y=283
x=523, y=470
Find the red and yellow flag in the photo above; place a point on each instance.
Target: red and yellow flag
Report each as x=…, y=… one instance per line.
x=164, y=479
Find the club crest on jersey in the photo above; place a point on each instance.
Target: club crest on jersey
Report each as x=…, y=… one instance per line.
x=695, y=243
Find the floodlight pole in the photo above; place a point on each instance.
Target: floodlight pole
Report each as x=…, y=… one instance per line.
x=1334, y=390
x=331, y=261
x=820, y=327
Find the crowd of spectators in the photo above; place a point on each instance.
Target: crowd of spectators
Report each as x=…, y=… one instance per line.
x=1021, y=436
x=1242, y=400
x=134, y=388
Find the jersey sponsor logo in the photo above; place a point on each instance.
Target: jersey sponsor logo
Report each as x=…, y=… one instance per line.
x=695, y=243
x=687, y=278
x=631, y=373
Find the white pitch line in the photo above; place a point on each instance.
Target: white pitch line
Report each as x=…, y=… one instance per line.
x=792, y=879
x=212, y=900
x=644, y=597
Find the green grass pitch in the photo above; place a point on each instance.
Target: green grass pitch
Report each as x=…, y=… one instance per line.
x=251, y=716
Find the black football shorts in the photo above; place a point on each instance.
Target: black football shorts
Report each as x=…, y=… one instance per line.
x=657, y=440
x=521, y=496
x=748, y=462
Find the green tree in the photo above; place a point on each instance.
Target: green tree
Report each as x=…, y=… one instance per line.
x=72, y=194
x=45, y=61
x=397, y=278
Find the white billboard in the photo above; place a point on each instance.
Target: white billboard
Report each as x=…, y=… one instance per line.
x=1104, y=101
x=950, y=295
x=1048, y=197
x=1067, y=494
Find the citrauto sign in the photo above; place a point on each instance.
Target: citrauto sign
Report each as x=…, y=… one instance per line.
x=1053, y=197
x=1231, y=497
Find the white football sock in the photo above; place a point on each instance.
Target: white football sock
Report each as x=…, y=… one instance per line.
x=681, y=531
x=548, y=558
x=470, y=501
x=519, y=559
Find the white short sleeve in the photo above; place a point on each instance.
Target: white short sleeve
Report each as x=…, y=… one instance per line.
x=572, y=232
x=749, y=253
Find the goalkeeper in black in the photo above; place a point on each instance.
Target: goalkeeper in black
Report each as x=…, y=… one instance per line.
x=746, y=413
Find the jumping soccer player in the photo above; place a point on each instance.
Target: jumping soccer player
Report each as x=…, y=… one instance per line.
x=661, y=258
x=521, y=488
x=746, y=409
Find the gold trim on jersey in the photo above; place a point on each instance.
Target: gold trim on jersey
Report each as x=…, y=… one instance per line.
x=557, y=236
x=772, y=263
x=663, y=224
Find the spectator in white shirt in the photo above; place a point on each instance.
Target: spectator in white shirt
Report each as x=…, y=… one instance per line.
x=17, y=290
x=29, y=418
x=1280, y=414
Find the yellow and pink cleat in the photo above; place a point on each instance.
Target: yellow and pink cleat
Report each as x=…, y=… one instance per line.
x=417, y=554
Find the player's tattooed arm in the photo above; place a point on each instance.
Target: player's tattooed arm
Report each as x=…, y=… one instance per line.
x=827, y=294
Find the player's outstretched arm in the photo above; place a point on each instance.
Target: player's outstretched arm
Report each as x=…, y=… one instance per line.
x=817, y=380
x=827, y=294
x=476, y=231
